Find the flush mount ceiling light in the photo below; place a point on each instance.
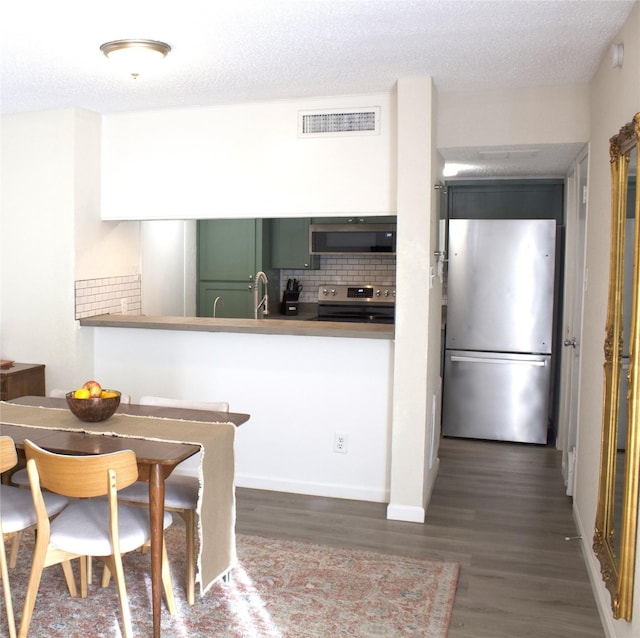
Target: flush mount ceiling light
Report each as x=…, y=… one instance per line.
x=135, y=55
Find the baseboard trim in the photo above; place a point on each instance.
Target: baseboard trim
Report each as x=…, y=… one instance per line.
x=408, y=513
x=332, y=490
x=600, y=592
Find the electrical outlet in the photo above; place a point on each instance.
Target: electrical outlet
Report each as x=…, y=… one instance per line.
x=340, y=440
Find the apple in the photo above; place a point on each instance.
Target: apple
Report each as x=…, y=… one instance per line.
x=95, y=389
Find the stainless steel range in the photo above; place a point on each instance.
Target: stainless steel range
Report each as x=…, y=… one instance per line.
x=361, y=304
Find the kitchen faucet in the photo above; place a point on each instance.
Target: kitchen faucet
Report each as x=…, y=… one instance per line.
x=264, y=302
x=215, y=303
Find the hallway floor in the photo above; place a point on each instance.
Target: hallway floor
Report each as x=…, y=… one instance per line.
x=499, y=509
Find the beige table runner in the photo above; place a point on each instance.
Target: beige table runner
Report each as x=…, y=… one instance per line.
x=216, y=501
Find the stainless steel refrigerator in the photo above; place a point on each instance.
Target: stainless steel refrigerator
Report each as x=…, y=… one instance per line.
x=499, y=328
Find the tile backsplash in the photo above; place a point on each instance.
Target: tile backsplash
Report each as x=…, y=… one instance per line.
x=342, y=269
x=123, y=295
x=108, y=295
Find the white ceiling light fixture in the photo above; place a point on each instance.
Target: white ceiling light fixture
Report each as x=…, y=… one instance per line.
x=135, y=56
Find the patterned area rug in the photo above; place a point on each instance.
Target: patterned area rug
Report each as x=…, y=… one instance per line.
x=280, y=589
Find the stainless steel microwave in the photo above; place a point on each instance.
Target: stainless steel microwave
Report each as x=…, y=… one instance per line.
x=348, y=239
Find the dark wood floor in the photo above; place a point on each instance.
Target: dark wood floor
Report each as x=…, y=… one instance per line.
x=498, y=509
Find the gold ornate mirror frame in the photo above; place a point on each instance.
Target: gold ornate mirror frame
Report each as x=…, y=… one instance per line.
x=614, y=540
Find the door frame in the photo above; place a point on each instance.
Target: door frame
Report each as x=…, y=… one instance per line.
x=573, y=314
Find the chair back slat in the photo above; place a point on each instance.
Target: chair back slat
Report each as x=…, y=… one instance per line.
x=82, y=476
x=8, y=456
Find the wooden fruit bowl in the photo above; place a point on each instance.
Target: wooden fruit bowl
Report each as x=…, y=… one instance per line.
x=93, y=409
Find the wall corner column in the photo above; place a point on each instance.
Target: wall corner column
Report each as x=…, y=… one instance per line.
x=416, y=360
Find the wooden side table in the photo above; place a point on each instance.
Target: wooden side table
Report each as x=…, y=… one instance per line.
x=22, y=379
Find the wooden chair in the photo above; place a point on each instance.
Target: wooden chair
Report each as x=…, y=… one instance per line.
x=88, y=526
x=21, y=478
x=181, y=489
x=16, y=515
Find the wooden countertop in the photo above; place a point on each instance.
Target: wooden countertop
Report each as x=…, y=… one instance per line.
x=248, y=326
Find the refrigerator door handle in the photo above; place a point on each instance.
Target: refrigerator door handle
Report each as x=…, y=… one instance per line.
x=529, y=362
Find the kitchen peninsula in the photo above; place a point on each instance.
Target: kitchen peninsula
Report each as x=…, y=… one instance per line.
x=254, y=326
x=303, y=382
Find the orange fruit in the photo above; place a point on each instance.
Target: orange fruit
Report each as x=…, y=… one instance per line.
x=108, y=394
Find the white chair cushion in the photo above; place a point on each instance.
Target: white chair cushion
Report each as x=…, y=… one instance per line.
x=180, y=492
x=17, y=511
x=83, y=528
x=20, y=478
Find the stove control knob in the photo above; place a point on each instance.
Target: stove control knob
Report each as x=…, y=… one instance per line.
x=386, y=292
x=378, y=293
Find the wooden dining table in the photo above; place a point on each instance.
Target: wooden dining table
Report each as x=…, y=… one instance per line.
x=156, y=459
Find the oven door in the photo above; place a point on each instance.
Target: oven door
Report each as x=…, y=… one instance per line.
x=357, y=313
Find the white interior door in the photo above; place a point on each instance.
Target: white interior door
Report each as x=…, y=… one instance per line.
x=575, y=282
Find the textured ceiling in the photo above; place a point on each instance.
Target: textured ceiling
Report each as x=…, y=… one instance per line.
x=228, y=51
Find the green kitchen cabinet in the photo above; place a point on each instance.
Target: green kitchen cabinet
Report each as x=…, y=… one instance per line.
x=227, y=249
x=230, y=253
x=234, y=300
x=290, y=244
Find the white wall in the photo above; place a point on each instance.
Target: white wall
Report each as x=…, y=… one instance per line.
x=299, y=391
x=51, y=236
x=36, y=244
x=530, y=115
x=418, y=306
x=245, y=160
x=102, y=249
x=614, y=99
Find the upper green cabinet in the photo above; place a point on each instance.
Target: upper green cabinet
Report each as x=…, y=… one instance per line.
x=227, y=249
x=290, y=244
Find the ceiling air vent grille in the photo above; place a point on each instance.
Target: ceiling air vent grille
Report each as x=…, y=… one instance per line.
x=339, y=122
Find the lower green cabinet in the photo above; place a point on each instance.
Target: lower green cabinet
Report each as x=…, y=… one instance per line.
x=227, y=299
